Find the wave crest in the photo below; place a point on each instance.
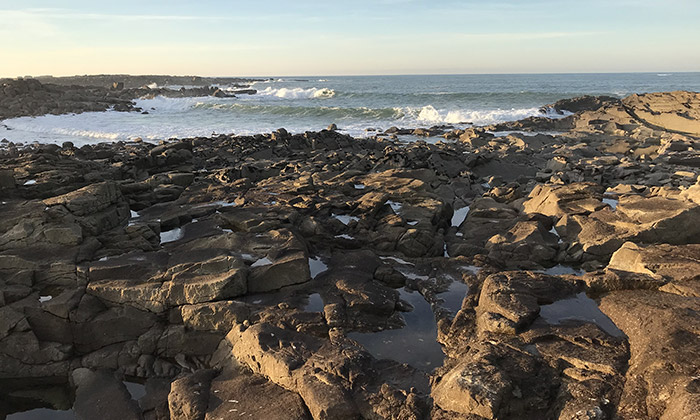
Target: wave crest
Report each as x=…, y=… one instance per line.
x=428, y=114
x=298, y=93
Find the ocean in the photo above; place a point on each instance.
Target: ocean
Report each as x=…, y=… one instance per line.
x=354, y=103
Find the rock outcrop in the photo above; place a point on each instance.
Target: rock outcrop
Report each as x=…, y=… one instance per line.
x=319, y=276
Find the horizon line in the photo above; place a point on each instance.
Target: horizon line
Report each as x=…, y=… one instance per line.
x=666, y=72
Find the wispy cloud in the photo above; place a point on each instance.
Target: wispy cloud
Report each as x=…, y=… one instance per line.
x=70, y=14
x=527, y=35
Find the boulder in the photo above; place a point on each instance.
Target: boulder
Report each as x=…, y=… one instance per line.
x=559, y=200
x=214, y=316
x=98, y=394
x=662, y=329
x=97, y=207
x=241, y=394
x=189, y=396
x=525, y=243
x=510, y=301
x=670, y=111
x=286, y=270
x=678, y=263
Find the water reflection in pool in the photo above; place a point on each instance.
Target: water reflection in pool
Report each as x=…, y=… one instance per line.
x=415, y=344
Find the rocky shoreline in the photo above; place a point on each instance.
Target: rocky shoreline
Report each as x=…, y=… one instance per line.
x=288, y=276
x=32, y=97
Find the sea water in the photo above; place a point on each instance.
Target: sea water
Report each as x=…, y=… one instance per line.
x=355, y=104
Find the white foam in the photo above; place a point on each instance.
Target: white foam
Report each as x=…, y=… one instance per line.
x=297, y=93
x=261, y=262
x=459, y=215
x=429, y=114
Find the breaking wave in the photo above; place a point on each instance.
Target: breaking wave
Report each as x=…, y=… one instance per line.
x=298, y=93
x=408, y=116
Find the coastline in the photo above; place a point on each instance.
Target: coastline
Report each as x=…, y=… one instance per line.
x=195, y=255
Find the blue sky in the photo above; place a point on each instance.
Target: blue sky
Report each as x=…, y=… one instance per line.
x=310, y=37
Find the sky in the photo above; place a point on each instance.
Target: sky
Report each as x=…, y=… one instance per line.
x=313, y=37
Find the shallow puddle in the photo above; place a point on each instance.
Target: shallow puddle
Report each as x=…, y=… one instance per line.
x=344, y=236
x=578, y=308
x=315, y=303
x=171, y=235
x=453, y=297
x=261, y=262
x=560, y=270
x=42, y=414
x=345, y=219
x=396, y=207
x=415, y=344
x=398, y=260
x=459, y=215
x=136, y=390
x=611, y=202
x=316, y=266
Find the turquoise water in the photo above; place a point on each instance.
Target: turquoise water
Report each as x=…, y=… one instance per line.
x=353, y=103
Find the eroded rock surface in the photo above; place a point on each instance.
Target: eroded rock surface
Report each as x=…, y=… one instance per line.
x=556, y=275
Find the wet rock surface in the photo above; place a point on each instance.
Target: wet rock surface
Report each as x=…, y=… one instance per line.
x=321, y=276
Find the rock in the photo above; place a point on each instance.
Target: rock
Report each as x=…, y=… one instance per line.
x=7, y=180
x=419, y=242
x=671, y=111
x=557, y=201
x=662, y=375
x=97, y=207
x=214, y=316
x=284, y=271
x=283, y=357
x=679, y=263
x=114, y=325
x=509, y=301
x=190, y=287
x=189, y=396
x=245, y=395
x=524, y=244
x=582, y=103
x=492, y=381
x=101, y=395
x=68, y=235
